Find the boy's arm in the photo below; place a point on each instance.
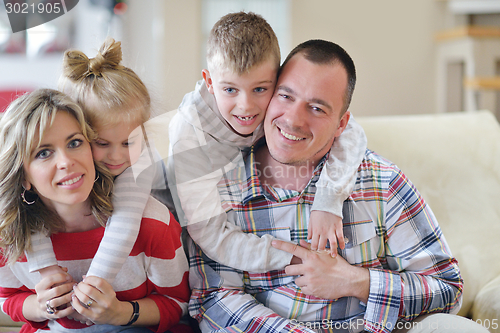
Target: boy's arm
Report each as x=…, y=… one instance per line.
x=336, y=182
x=129, y=200
x=338, y=176
x=194, y=170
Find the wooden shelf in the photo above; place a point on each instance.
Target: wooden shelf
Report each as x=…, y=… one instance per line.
x=482, y=83
x=469, y=31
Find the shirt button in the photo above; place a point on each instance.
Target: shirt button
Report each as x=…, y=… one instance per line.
x=301, y=200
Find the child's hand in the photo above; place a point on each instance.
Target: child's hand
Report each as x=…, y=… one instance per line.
x=52, y=270
x=81, y=318
x=325, y=226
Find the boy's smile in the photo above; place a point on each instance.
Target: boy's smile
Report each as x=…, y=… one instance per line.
x=243, y=99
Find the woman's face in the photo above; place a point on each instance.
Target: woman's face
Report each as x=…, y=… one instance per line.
x=61, y=169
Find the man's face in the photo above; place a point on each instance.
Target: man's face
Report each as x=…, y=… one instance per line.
x=303, y=117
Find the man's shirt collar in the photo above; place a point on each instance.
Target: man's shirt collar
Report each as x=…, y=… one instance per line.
x=253, y=188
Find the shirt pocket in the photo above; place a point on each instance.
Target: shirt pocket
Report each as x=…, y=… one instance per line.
x=358, y=232
x=362, y=242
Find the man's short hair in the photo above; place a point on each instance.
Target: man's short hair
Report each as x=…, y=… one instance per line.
x=323, y=52
x=239, y=41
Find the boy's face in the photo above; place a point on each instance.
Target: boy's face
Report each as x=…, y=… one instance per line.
x=243, y=99
x=117, y=146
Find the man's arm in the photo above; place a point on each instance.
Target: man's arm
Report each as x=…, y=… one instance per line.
x=413, y=271
x=219, y=302
x=417, y=251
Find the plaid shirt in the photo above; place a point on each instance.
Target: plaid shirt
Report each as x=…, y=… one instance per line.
x=389, y=228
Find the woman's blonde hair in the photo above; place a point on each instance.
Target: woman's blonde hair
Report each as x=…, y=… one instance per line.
x=108, y=92
x=22, y=125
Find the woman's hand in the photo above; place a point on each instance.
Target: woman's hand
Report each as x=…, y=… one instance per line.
x=53, y=298
x=95, y=299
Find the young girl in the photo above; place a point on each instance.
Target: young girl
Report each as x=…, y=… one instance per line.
x=116, y=103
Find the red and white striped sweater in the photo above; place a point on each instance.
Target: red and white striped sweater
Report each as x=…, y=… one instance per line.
x=156, y=268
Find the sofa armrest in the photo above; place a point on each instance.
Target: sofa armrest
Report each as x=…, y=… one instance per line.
x=8, y=325
x=486, y=308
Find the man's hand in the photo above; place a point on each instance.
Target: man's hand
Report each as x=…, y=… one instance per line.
x=325, y=277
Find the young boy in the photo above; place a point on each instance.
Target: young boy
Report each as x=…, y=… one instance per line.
x=219, y=120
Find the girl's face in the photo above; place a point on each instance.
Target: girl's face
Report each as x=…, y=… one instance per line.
x=118, y=146
x=61, y=170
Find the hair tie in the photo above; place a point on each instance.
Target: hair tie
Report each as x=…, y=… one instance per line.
x=94, y=67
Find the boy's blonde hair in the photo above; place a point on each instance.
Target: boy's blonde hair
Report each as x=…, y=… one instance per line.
x=22, y=125
x=239, y=41
x=108, y=92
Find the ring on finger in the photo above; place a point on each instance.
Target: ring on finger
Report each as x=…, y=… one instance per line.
x=89, y=303
x=50, y=310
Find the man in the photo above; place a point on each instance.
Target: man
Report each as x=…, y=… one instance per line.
x=396, y=265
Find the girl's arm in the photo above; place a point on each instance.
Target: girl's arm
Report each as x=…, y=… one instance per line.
x=130, y=195
x=41, y=258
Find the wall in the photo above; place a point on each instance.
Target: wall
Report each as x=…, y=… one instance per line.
x=162, y=41
x=391, y=42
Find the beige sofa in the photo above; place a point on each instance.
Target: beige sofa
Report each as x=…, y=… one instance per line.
x=7, y=325
x=454, y=161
